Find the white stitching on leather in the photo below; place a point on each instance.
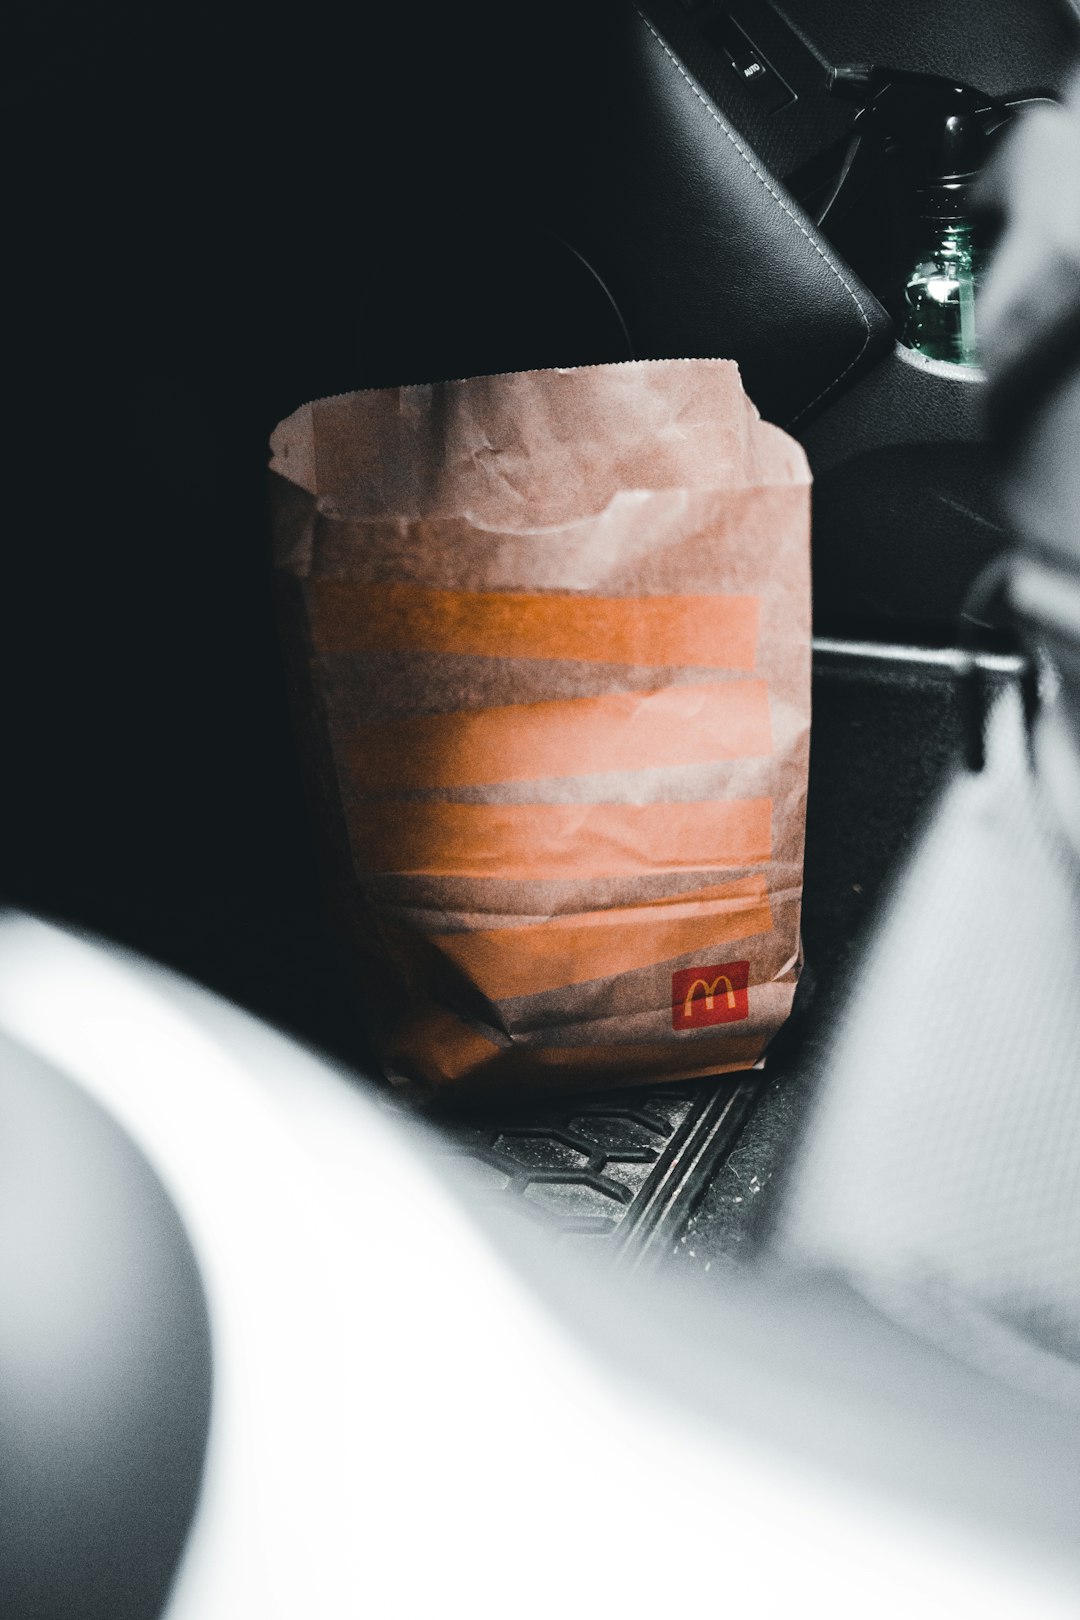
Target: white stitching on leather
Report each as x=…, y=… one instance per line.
x=745, y=155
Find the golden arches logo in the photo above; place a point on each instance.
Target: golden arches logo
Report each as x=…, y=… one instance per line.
x=710, y=992
x=718, y=993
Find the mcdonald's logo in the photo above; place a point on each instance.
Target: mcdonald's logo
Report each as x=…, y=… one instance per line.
x=710, y=995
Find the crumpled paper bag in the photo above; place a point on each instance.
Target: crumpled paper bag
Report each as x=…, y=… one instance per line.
x=550, y=643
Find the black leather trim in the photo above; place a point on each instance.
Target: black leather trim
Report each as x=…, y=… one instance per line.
x=788, y=208
x=704, y=250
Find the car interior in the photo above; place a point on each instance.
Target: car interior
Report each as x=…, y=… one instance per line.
x=222, y=212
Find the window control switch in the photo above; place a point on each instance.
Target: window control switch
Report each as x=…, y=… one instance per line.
x=747, y=63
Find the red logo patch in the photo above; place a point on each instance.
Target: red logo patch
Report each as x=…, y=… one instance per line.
x=710, y=995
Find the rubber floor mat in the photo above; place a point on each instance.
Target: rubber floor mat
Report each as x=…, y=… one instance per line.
x=621, y=1171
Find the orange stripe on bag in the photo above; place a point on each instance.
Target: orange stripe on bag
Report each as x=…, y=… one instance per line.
x=736, y=1052
x=438, y=1046
x=678, y=725
x=505, y=962
x=717, y=632
x=543, y=841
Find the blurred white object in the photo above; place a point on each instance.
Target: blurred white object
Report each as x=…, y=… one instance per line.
x=941, y=1169
x=401, y=1422
x=940, y=1173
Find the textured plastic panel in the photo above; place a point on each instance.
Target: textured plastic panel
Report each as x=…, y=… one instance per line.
x=784, y=139
x=1008, y=48
x=1002, y=46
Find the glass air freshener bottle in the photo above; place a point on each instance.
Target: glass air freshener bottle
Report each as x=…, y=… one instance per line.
x=939, y=295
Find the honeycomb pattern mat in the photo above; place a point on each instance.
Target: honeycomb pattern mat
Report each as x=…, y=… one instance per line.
x=620, y=1172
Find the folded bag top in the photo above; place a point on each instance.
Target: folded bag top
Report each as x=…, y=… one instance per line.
x=533, y=449
x=550, y=642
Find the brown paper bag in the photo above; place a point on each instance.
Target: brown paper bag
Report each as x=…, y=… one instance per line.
x=551, y=643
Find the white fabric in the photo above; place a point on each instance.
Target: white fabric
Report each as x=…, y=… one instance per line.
x=941, y=1170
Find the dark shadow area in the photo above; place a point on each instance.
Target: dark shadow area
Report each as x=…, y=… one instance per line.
x=218, y=212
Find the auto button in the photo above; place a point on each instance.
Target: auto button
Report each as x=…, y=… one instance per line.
x=747, y=62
